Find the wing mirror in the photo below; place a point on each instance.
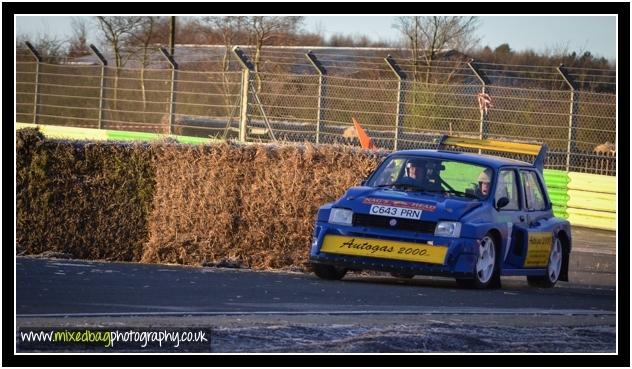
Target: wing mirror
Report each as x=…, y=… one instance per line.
x=502, y=202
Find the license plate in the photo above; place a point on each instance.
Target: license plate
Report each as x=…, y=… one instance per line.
x=384, y=249
x=394, y=211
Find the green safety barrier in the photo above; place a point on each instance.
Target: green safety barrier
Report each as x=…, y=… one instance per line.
x=592, y=219
x=132, y=136
x=556, y=177
x=76, y=133
x=142, y=136
x=592, y=200
x=560, y=212
x=592, y=213
x=557, y=187
x=559, y=195
x=561, y=200
x=592, y=182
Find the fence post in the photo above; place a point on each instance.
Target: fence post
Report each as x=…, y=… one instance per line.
x=38, y=58
x=399, y=118
x=172, y=101
x=572, y=119
x=483, y=129
x=245, y=87
x=103, y=62
x=321, y=90
x=243, y=115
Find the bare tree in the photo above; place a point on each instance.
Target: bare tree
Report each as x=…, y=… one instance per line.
x=231, y=30
x=78, y=43
x=118, y=33
x=428, y=36
x=51, y=49
x=410, y=29
x=262, y=30
x=141, y=39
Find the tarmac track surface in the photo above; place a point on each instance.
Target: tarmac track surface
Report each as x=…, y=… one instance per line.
x=250, y=311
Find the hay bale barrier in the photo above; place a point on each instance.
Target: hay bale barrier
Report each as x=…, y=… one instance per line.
x=254, y=205
x=196, y=203
x=251, y=205
x=90, y=200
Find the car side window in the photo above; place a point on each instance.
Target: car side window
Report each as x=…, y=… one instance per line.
x=507, y=187
x=534, y=198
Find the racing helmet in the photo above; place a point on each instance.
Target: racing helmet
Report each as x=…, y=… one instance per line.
x=417, y=163
x=485, y=176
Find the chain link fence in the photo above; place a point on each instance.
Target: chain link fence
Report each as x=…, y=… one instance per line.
x=287, y=99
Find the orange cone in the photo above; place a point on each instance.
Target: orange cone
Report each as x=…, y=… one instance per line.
x=365, y=140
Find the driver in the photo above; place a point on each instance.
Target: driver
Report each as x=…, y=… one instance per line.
x=484, y=183
x=417, y=173
x=415, y=170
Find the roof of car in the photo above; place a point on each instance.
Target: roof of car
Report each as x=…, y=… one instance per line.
x=486, y=160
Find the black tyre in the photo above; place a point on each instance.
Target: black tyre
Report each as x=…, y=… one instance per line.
x=329, y=272
x=487, y=273
x=402, y=275
x=553, y=270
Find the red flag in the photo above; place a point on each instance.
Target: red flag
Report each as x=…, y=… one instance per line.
x=365, y=140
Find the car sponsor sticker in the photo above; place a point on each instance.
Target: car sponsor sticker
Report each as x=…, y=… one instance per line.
x=538, y=249
x=393, y=211
x=400, y=204
x=384, y=249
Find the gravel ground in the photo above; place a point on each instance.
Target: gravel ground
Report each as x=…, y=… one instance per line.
x=414, y=338
x=520, y=333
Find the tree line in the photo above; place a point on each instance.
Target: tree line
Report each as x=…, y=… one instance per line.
x=130, y=36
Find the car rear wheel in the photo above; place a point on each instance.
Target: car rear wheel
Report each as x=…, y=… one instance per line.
x=487, y=273
x=553, y=270
x=329, y=272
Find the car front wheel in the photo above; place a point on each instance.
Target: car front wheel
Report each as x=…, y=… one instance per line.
x=487, y=274
x=329, y=272
x=553, y=270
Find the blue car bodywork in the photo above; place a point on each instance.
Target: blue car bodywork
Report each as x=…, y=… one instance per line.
x=409, y=243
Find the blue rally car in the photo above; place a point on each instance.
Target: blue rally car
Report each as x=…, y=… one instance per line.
x=447, y=213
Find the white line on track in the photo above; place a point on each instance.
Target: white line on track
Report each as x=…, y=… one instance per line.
x=593, y=250
x=339, y=312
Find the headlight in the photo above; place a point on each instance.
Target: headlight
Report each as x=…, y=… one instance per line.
x=341, y=216
x=448, y=229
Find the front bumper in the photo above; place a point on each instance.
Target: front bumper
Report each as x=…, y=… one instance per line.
x=460, y=259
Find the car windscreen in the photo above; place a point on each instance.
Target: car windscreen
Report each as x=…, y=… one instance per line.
x=425, y=174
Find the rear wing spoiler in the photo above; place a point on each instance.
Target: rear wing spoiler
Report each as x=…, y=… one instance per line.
x=537, y=150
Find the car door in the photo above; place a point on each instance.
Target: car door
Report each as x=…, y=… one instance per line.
x=537, y=207
x=512, y=214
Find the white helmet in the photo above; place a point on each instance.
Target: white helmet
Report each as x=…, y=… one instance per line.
x=485, y=176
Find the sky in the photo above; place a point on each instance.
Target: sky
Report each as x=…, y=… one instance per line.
x=596, y=34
